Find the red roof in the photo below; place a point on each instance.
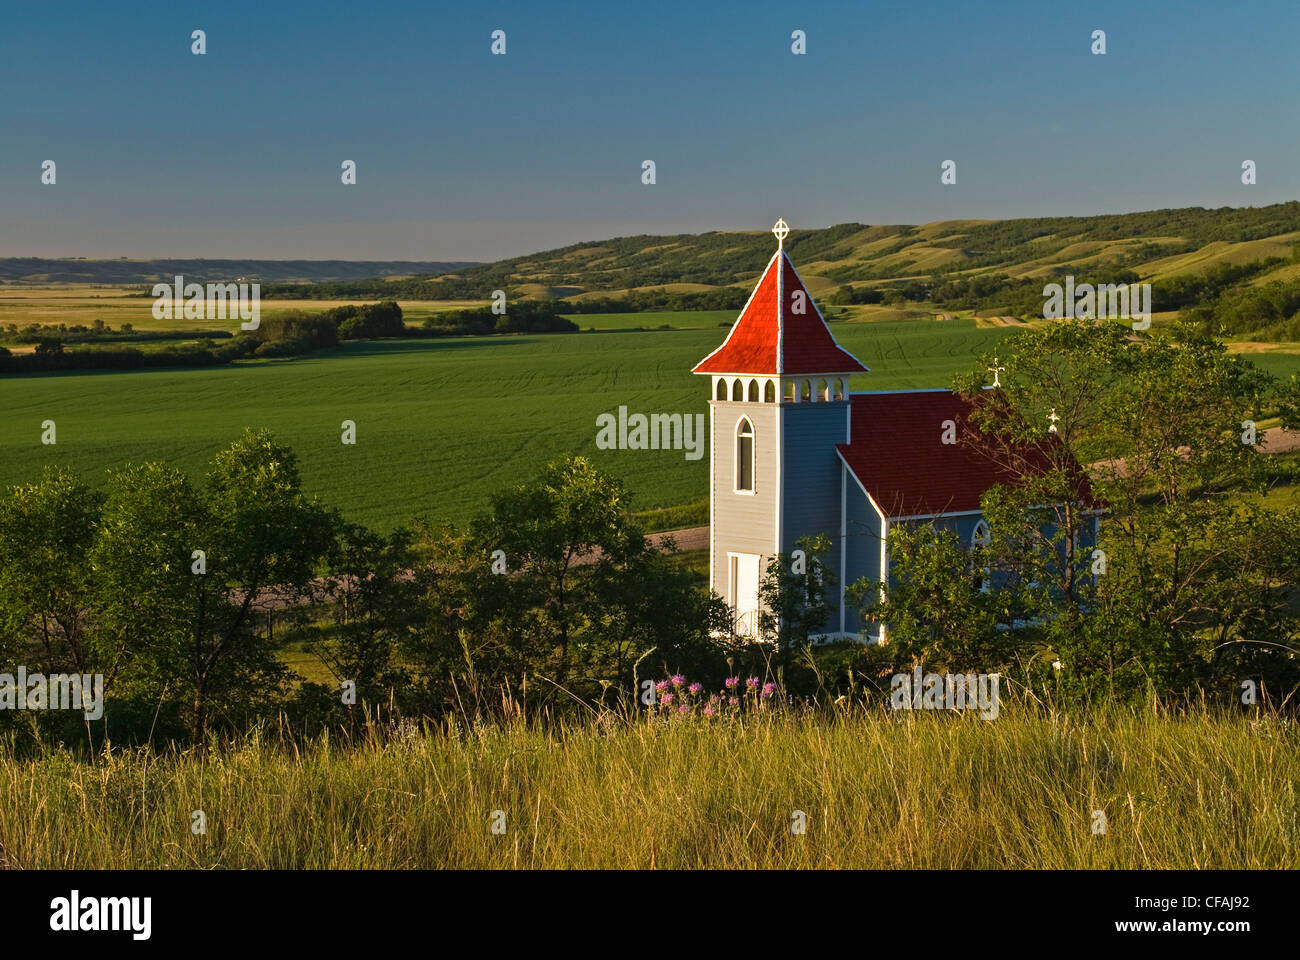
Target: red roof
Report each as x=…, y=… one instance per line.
x=770, y=337
x=895, y=450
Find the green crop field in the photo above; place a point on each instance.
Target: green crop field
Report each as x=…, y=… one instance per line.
x=651, y=320
x=441, y=424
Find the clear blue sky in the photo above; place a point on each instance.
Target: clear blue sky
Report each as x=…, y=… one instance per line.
x=465, y=155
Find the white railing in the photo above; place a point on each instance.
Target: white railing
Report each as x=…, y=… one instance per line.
x=746, y=624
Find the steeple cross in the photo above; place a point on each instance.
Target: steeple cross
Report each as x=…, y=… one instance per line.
x=782, y=230
x=997, y=382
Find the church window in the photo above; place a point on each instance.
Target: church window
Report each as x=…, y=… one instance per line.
x=822, y=392
x=980, y=538
x=753, y=391
x=805, y=391
x=745, y=456
x=737, y=389
x=722, y=389
x=769, y=392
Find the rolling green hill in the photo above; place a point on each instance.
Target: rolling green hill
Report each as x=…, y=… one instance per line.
x=1155, y=245
x=993, y=267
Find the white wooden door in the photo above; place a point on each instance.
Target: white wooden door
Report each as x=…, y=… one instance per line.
x=744, y=592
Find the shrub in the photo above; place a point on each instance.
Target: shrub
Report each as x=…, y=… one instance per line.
x=292, y=347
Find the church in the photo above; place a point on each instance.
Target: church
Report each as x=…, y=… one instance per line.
x=794, y=453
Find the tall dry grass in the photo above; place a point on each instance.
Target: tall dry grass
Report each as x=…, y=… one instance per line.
x=916, y=790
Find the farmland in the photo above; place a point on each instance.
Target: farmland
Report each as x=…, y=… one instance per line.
x=71, y=303
x=441, y=424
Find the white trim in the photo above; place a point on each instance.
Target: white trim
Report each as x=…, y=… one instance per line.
x=856, y=480
x=696, y=368
x=881, y=393
x=713, y=525
x=844, y=504
x=780, y=311
x=1096, y=535
x=917, y=516
x=798, y=378
x=779, y=482
x=753, y=456
x=884, y=535
x=884, y=569
x=976, y=540
x=844, y=536
x=935, y=516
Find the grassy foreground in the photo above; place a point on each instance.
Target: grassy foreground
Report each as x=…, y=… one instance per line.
x=905, y=790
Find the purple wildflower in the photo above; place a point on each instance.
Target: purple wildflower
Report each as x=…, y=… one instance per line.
x=667, y=698
x=661, y=686
x=732, y=681
x=684, y=708
x=678, y=679
x=751, y=683
x=708, y=711
x=734, y=701
x=695, y=687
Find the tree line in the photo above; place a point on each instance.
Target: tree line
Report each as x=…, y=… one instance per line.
x=287, y=334
x=183, y=593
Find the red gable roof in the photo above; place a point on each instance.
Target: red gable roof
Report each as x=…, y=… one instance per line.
x=770, y=338
x=895, y=450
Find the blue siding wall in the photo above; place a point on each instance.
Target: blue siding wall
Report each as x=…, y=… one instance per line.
x=863, y=531
x=810, y=493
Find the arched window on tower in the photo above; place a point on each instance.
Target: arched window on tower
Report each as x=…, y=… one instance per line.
x=769, y=392
x=721, y=392
x=823, y=392
x=744, y=456
x=753, y=391
x=805, y=391
x=737, y=389
x=979, y=540
x=839, y=389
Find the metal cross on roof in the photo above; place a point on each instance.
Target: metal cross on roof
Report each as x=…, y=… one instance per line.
x=996, y=371
x=782, y=230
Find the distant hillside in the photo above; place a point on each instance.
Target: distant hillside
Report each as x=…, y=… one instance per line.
x=1236, y=270
x=1155, y=244
x=38, y=270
